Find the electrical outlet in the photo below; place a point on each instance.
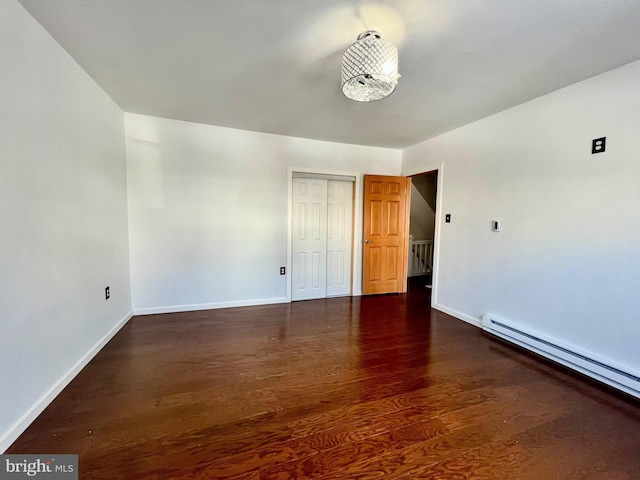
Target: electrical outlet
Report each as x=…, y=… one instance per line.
x=598, y=145
x=282, y=270
x=107, y=293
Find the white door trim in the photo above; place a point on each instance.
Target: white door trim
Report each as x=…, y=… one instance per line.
x=356, y=279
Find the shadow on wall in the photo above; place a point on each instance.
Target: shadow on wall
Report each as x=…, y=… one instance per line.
x=423, y=205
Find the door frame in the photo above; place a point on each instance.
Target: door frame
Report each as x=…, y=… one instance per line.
x=439, y=217
x=356, y=260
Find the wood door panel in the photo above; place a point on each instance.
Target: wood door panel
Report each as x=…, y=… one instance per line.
x=375, y=264
x=386, y=202
x=392, y=263
x=394, y=188
x=376, y=187
x=393, y=218
x=375, y=215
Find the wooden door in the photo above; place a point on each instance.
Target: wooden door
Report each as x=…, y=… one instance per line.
x=309, y=246
x=339, y=237
x=386, y=220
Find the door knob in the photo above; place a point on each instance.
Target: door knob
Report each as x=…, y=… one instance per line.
x=368, y=241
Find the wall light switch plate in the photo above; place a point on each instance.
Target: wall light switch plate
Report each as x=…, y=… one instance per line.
x=447, y=218
x=496, y=225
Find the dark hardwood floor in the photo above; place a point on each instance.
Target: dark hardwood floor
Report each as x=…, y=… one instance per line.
x=354, y=388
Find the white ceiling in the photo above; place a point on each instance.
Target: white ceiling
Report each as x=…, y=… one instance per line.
x=274, y=65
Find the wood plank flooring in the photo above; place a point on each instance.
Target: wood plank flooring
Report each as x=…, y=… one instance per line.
x=355, y=388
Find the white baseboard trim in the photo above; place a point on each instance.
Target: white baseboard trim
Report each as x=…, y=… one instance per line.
x=209, y=306
x=602, y=369
x=21, y=425
x=476, y=322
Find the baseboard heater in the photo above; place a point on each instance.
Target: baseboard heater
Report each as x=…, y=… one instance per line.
x=600, y=369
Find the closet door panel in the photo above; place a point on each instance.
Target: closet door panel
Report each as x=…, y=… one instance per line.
x=339, y=237
x=309, y=242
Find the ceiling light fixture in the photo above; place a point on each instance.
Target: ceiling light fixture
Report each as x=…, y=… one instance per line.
x=369, y=68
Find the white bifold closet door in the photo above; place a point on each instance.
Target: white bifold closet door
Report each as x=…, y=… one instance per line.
x=309, y=229
x=339, y=237
x=322, y=229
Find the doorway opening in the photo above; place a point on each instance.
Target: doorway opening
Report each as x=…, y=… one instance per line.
x=422, y=230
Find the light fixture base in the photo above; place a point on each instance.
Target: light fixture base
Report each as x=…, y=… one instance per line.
x=370, y=33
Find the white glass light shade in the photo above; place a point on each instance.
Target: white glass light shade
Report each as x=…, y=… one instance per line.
x=369, y=68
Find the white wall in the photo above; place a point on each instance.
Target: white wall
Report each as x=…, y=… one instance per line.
x=567, y=263
x=64, y=219
x=208, y=209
